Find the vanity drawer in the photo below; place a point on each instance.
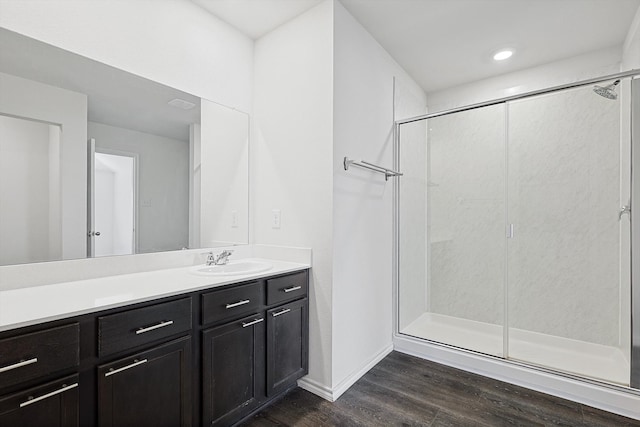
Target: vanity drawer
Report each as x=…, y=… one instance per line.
x=38, y=354
x=231, y=302
x=133, y=328
x=287, y=288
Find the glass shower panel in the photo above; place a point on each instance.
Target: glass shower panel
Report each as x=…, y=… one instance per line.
x=564, y=258
x=452, y=229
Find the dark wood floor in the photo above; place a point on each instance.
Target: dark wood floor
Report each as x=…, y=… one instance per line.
x=406, y=391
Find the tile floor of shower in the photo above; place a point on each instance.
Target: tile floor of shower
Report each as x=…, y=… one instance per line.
x=581, y=358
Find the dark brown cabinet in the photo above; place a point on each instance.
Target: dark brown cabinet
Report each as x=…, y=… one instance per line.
x=39, y=354
x=151, y=388
x=38, y=360
x=233, y=370
x=287, y=288
x=249, y=361
x=133, y=328
x=210, y=357
x=54, y=404
x=287, y=346
x=232, y=302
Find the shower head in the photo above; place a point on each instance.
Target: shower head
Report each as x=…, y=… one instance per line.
x=608, y=91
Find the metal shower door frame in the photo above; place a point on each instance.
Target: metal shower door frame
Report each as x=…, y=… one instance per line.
x=635, y=235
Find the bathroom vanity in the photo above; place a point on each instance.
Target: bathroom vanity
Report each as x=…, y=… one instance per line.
x=199, y=351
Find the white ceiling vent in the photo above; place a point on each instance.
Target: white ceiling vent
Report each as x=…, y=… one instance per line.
x=181, y=104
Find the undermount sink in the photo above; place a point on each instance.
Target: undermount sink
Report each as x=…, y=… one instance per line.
x=232, y=268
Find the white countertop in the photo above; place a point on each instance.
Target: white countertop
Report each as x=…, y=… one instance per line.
x=37, y=304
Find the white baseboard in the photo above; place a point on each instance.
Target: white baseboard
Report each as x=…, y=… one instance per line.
x=332, y=395
x=610, y=399
x=351, y=379
x=316, y=388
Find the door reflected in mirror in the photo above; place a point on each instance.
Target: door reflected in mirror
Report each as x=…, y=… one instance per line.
x=166, y=171
x=114, y=201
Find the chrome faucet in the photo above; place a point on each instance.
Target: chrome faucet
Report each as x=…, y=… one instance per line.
x=221, y=259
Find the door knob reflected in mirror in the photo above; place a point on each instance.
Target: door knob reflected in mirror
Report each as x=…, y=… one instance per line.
x=93, y=233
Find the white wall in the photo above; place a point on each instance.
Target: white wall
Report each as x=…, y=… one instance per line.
x=195, y=183
x=631, y=46
x=173, y=42
x=363, y=121
x=24, y=186
x=55, y=192
x=68, y=109
x=324, y=90
x=163, y=184
x=291, y=158
x=223, y=177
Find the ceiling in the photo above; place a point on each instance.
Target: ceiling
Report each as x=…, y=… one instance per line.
x=256, y=18
x=445, y=43
x=115, y=97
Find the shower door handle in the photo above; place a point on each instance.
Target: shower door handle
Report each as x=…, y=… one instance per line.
x=626, y=209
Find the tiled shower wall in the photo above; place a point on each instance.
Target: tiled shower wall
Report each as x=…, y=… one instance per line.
x=466, y=227
x=563, y=180
x=564, y=196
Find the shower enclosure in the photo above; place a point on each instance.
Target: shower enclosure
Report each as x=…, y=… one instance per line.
x=513, y=229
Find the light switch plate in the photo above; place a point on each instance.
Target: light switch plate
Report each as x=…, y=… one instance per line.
x=275, y=218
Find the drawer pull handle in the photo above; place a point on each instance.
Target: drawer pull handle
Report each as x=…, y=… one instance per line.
x=45, y=396
x=291, y=289
x=19, y=364
x=286, y=310
x=151, y=328
x=135, y=363
x=246, y=325
x=239, y=303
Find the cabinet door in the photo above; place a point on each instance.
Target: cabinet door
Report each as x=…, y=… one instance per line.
x=233, y=370
x=50, y=405
x=287, y=345
x=152, y=388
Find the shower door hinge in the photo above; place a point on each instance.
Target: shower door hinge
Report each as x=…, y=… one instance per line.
x=510, y=231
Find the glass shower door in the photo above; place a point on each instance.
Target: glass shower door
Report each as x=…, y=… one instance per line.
x=451, y=225
x=566, y=294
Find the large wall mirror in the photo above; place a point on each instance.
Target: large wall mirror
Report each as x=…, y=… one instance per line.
x=95, y=161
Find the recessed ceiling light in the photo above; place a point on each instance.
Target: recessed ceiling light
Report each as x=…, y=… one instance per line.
x=502, y=55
